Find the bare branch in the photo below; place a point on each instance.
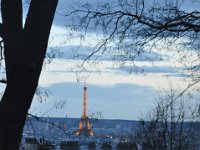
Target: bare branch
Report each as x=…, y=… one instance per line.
x=133, y=22
x=51, y=123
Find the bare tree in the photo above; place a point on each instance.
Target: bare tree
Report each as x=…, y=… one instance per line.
x=131, y=28
x=24, y=51
x=172, y=124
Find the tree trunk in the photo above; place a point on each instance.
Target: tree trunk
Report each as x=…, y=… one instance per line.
x=25, y=50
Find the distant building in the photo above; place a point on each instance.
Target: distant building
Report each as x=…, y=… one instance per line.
x=30, y=144
x=84, y=127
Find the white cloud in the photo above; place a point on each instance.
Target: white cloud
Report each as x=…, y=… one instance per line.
x=60, y=71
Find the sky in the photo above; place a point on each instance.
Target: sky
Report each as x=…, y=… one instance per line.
x=118, y=93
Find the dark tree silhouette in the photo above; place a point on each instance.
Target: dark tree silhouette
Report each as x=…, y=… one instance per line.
x=24, y=52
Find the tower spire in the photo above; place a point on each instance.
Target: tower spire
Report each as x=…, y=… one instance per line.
x=85, y=109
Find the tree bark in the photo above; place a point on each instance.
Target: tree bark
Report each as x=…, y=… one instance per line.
x=25, y=49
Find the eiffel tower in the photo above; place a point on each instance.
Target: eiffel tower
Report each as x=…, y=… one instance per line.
x=84, y=124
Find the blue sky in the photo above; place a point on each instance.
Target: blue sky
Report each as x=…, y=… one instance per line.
x=117, y=101
x=119, y=93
